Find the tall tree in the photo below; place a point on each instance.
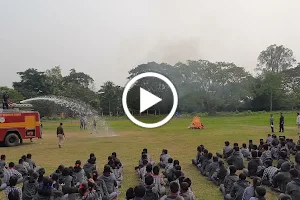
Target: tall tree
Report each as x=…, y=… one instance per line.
x=275, y=59
x=110, y=96
x=33, y=83
x=55, y=78
x=271, y=62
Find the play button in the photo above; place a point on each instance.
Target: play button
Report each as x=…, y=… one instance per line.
x=148, y=99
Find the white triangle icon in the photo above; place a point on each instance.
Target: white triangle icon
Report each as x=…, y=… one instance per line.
x=147, y=100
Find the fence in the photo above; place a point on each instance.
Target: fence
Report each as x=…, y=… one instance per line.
x=133, y=112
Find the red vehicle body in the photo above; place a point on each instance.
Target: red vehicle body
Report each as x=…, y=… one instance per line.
x=15, y=126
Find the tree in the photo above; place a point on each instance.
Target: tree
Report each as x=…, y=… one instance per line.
x=54, y=79
x=272, y=61
x=78, y=78
x=110, y=96
x=275, y=59
x=33, y=83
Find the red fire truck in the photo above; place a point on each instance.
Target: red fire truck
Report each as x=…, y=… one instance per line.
x=17, y=125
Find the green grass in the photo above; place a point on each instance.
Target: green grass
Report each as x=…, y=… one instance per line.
x=131, y=139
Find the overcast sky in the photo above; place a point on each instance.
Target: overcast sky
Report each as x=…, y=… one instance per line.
x=105, y=39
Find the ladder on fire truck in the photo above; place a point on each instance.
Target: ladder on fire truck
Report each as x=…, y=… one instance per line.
x=15, y=107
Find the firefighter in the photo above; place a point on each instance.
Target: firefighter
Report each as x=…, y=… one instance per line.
x=5, y=100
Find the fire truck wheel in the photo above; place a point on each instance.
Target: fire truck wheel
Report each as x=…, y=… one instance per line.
x=12, y=139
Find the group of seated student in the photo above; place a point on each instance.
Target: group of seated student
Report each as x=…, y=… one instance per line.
x=80, y=181
x=164, y=180
x=282, y=178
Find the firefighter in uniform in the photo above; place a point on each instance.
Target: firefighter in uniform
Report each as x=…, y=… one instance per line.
x=5, y=100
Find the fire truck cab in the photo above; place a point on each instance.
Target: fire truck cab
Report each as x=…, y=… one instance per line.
x=17, y=125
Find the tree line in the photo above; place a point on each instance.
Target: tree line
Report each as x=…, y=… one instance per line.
x=202, y=86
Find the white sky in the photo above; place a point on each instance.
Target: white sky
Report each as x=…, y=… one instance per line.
x=105, y=39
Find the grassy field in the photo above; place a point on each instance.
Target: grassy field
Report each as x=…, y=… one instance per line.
x=131, y=139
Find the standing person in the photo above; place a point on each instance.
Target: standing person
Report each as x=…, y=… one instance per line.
x=298, y=122
x=60, y=134
x=281, y=123
x=81, y=122
x=85, y=121
x=272, y=123
x=5, y=100
x=95, y=125
x=94, y=130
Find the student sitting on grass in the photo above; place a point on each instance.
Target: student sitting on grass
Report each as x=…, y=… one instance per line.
x=297, y=161
x=168, y=167
x=283, y=159
x=282, y=178
x=164, y=158
x=283, y=147
x=30, y=161
x=26, y=164
x=174, y=188
x=250, y=190
x=229, y=181
x=269, y=139
x=260, y=193
x=139, y=192
x=58, y=171
x=297, y=150
x=21, y=168
x=11, y=172
x=158, y=180
x=203, y=158
x=238, y=188
x=3, y=165
x=30, y=187
x=13, y=187
x=46, y=191
x=274, y=150
x=41, y=172
x=152, y=192
x=142, y=171
x=236, y=159
x=266, y=155
x=293, y=187
x=171, y=171
x=66, y=178
x=291, y=146
x=190, y=191
x=268, y=173
x=145, y=150
x=89, y=190
x=89, y=167
x=245, y=151
x=261, y=144
x=220, y=174
x=212, y=168
x=79, y=173
x=227, y=149
x=253, y=165
x=148, y=172
x=109, y=179
x=250, y=145
x=130, y=194
x=118, y=172
x=199, y=153
x=205, y=164
x=184, y=191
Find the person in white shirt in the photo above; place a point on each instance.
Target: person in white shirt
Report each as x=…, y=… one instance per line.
x=298, y=122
